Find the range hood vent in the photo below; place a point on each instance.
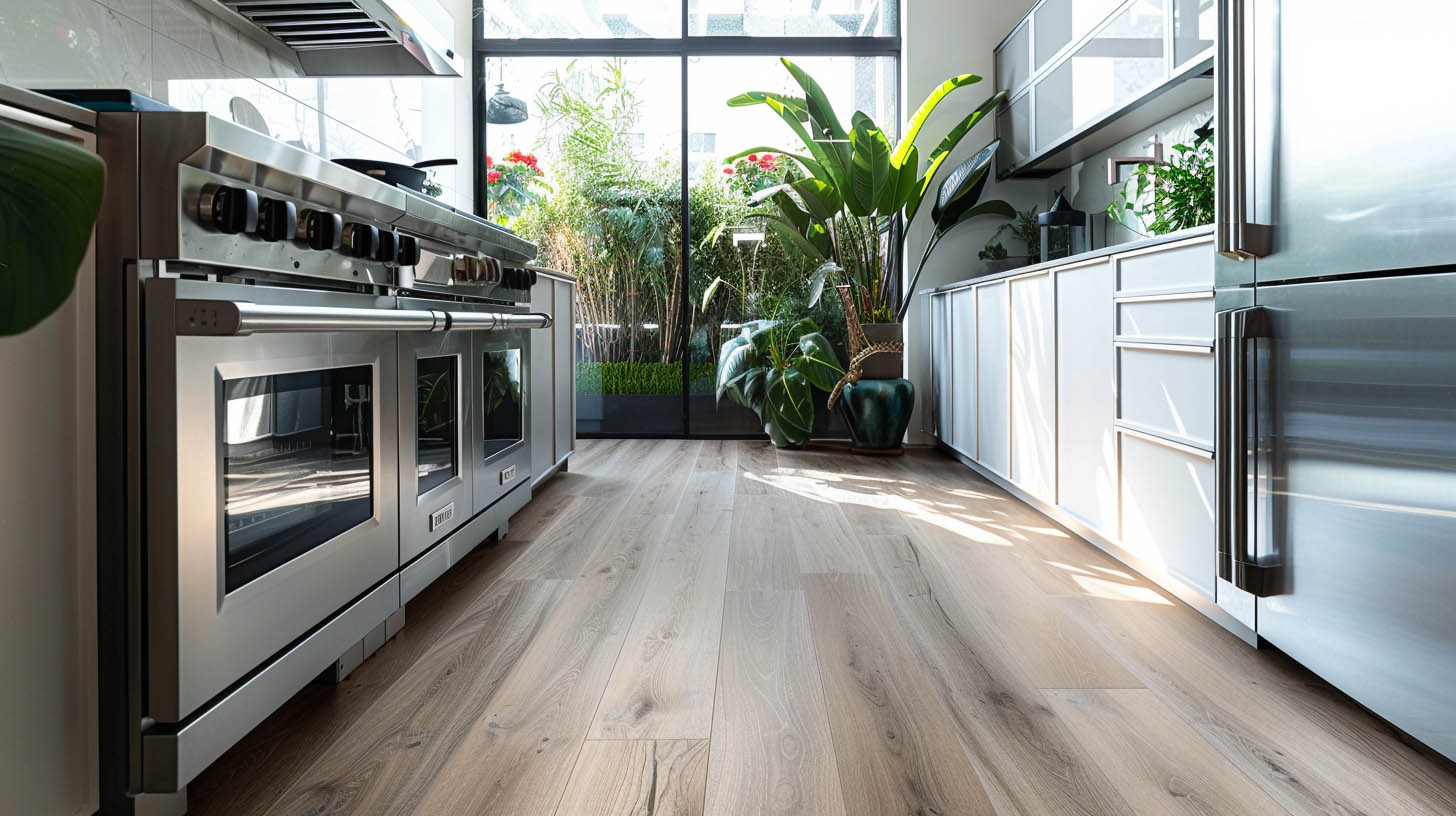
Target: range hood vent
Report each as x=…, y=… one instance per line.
x=358, y=37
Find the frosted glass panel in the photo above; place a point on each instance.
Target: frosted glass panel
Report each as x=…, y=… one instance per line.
x=1012, y=69
x=1194, y=25
x=1062, y=22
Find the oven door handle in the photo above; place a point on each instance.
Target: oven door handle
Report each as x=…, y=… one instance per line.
x=240, y=318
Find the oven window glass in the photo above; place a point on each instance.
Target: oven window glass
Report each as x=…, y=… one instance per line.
x=504, y=414
x=297, y=465
x=436, y=421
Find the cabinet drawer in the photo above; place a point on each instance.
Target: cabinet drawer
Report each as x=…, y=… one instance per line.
x=1168, y=391
x=1180, y=266
x=1181, y=318
x=1167, y=509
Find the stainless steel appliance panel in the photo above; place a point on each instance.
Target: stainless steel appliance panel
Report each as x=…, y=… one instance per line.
x=435, y=432
x=272, y=485
x=501, y=413
x=1342, y=192
x=1356, y=490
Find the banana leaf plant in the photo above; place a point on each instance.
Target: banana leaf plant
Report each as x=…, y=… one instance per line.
x=772, y=368
x=50, y=195
x=843, y=195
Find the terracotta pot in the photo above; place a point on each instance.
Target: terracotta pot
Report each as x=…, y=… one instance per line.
x=885, y=365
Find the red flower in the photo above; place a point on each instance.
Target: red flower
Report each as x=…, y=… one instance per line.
x=728, y=170
x=753, y=157
x=492, y=177
x=488, y=161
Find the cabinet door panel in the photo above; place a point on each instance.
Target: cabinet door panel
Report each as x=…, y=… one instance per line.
x=1169, y=392
x=542, y=386
x=963, y=370
x=1167, y=510
x=1034, y=385
x=564, y=364
x=942, y=352
x=1087, y=396
x=993, y=365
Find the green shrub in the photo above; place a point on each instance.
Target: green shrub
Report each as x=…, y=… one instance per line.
x=633, y=378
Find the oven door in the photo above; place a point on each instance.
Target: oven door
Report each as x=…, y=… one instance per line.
x=501, y=363
x=272, y=486
x=435, y=462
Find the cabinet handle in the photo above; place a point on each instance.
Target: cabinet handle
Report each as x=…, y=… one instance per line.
x=1236, y=452
x=1236, y=237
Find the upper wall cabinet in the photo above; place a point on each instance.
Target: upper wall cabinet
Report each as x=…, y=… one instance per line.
x=1083, y=75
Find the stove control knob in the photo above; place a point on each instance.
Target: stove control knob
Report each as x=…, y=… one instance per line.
x=386, y=249
x=409, y=251
x=533, y=277
x=228, y=209
x=277, y=219
x=359, y=240
x=319, y=229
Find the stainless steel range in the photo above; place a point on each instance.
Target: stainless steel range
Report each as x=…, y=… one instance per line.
x=329, y=377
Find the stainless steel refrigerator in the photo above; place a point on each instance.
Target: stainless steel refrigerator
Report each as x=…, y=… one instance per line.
x=1336, y=284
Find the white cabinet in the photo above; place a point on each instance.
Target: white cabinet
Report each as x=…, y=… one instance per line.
x=553, y=376
x=1087, y=396
x=963, y=370
x=1034, y=385
x=993, y=377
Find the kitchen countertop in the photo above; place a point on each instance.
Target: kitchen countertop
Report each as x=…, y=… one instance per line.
x=1180, y=235
x=46, y=106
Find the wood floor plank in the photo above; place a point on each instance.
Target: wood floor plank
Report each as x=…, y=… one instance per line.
x=1027, y=758
x=759, y=460
x=638, y=778
x=1217, y=684
x=761, y=555
x=771, y=753
x=384, y=763
x=515, y=757
x=1012, y=613
x=717, y=454
x=557, y=551
x=895, y=749
x=662, y=686
x=1156, y=761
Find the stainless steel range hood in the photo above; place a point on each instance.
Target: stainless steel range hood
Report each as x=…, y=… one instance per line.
x=354, y=37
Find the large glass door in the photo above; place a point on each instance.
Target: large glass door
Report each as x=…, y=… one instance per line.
x=607, y=135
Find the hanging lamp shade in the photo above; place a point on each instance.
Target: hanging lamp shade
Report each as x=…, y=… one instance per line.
x=504, y=109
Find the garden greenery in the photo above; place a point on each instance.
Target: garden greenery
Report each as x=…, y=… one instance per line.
x=1161, y=198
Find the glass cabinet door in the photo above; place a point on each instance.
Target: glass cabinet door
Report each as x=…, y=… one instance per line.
x=1112, y=68
x=504, y=408
x=437, y=421
x=297, y=465
x=1195, y=23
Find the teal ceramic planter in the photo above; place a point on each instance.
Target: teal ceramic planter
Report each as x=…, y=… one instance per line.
x=877, y=413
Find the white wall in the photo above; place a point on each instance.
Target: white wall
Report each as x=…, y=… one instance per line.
x=176, y=52
x=944, y=38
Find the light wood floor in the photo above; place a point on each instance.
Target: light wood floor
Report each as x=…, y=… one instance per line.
x=686, y=627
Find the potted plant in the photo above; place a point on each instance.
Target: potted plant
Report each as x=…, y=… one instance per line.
x=848, y=200
x=1177, y=194
x=771, y=368
x=1022, y=227
x=509, y=185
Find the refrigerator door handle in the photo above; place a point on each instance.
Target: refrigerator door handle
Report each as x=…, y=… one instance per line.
x=1237, y=452
x=1235, y=236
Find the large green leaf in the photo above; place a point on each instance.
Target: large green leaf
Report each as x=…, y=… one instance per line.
x=788, y=406
x=792, y=103
x=737, y=356
x=907, y=176
x=912, y=131
x=830, y=167
x=998, y=207
x=869, y=171
x=793, y=239
x=824, y=122
x=820, y=197
x=962, y=186
x=818, y=362
x=50, y=194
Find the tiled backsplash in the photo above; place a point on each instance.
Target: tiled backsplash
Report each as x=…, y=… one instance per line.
x=178, y=53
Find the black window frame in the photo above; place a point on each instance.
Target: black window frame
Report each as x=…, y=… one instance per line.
x=685, y=47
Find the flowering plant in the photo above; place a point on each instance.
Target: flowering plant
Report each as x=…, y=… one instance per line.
x=755, y=172
x=509, y=185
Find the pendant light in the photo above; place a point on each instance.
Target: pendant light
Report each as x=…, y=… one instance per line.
x=504, y=109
